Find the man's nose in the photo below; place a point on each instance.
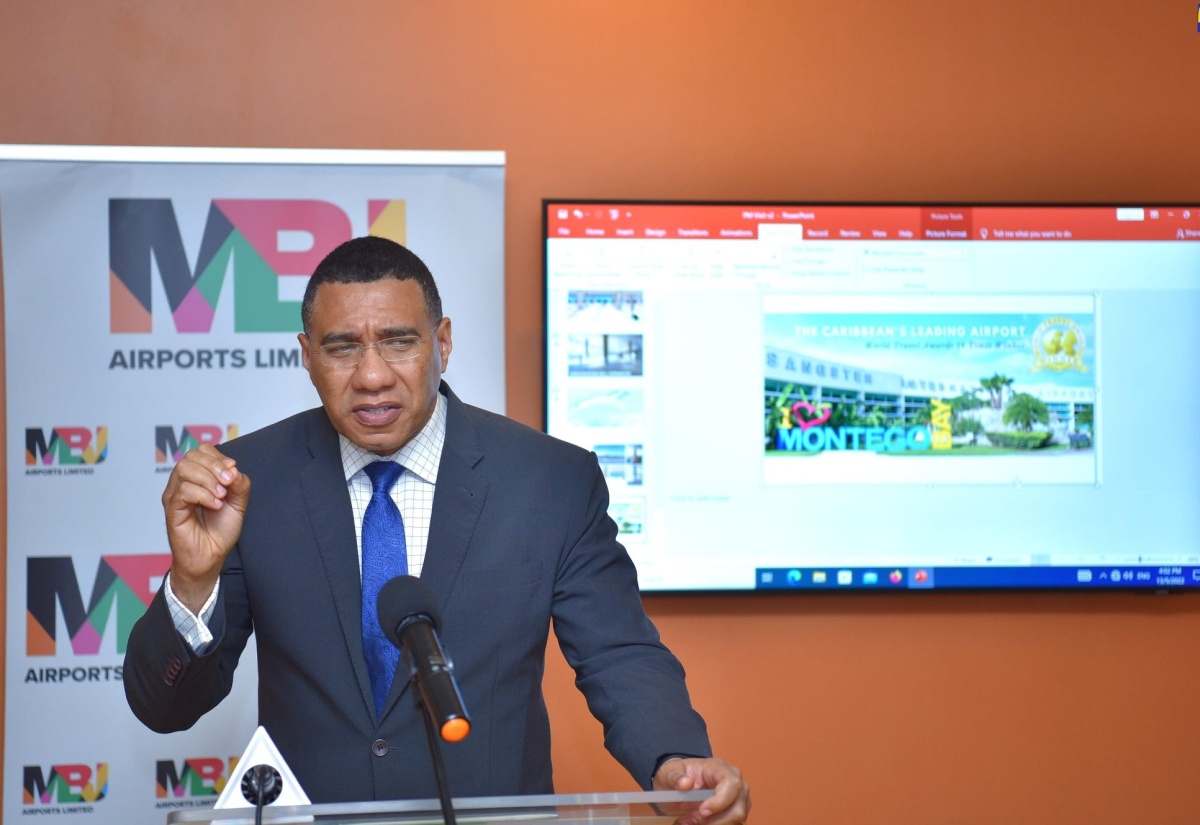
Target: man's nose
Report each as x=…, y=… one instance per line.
x=373, y=372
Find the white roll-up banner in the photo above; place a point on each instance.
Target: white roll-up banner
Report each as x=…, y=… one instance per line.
x=152, y=300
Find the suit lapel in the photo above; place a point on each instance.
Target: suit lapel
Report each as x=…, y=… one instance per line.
x=327, y=501
x=457, y=503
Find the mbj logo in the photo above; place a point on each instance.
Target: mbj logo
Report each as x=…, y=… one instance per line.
x=66, y=445
x=65, y=784
x=125, y=584
x=170, y=447
x=259, y=241
x=198, y=777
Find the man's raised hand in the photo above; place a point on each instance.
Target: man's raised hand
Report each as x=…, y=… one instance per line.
x=205, y=504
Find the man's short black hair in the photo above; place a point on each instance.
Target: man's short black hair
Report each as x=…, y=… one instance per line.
x=368, y=259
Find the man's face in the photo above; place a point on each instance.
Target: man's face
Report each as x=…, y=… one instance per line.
x=379, y=405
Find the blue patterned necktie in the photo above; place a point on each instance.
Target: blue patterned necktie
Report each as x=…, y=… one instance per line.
x=384, y=556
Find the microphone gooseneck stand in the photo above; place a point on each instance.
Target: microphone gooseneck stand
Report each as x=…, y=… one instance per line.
x=435, y=751
x=409, y=616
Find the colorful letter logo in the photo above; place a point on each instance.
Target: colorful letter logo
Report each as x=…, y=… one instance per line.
x=123, y=583
x=169, y=448
x=199, y=777
x=65, y=784
x=66, y=445
x=241, y=236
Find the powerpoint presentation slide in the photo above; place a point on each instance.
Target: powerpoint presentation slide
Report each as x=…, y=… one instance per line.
x=621, y=463
x=630, y=516
x=613, y=309
x=617, y=408
x=931, y=389
x=601, y=354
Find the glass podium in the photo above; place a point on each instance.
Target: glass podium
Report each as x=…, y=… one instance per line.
x=657, y=807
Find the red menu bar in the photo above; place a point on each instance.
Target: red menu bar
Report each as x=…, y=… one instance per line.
x=885, y=223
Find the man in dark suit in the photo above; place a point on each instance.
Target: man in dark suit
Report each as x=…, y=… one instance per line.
x=507, y=526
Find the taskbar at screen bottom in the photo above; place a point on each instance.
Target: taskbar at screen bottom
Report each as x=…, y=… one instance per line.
x=941, y=578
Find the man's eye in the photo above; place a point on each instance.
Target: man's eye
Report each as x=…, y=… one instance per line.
x=341, y=350
x=400, y=344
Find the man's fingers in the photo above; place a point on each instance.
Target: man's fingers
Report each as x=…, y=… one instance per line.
x=203, y=477
x=238, y=490
x=673, y=775
x=208, y=457
x=193, y=495
x=724, y=796
x=730, y=801
x=183, y=494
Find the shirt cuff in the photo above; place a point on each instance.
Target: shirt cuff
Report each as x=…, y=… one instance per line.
x=193, y=628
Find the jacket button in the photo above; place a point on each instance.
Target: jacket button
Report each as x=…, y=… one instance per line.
x=379, y=747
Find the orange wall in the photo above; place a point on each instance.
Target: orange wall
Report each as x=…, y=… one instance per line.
x=908, y=709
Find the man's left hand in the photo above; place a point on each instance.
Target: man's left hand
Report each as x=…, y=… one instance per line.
x=730, y=802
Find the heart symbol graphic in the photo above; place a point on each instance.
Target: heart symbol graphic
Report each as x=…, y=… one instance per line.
x=821, y=415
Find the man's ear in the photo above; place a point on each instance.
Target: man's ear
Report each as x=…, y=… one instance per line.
x=305, y=351
x=444, y=342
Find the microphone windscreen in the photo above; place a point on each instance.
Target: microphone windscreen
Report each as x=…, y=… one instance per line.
x=404, y=597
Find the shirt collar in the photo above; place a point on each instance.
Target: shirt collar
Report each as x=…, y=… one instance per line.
x=420, y=456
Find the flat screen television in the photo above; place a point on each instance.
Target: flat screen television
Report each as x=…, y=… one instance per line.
x=849, y=397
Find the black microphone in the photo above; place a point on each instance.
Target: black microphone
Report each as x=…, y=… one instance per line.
x=409, y=617
x=261, y=785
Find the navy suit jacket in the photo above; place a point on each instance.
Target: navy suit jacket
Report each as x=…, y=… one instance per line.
x=519, y=539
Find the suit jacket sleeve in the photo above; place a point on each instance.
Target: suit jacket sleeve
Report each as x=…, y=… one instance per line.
x=632, y=683
x=167, y=685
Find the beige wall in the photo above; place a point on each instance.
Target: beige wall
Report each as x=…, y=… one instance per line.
x=915, y=708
